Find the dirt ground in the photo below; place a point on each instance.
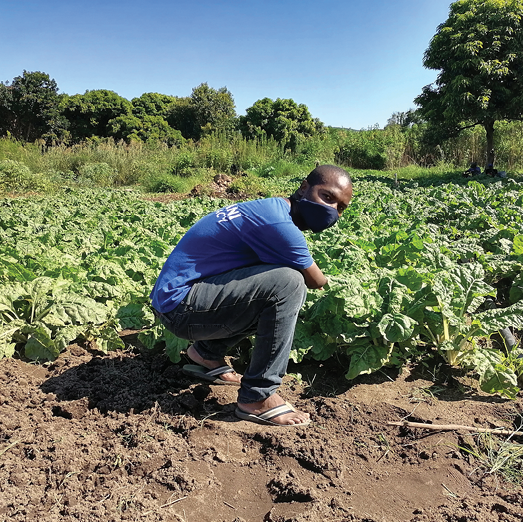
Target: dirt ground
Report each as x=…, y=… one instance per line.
x=127, y=436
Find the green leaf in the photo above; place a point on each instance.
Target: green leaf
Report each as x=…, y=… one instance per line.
x=433, y=257
x=135, y=316
x=158, y=335
x=328, y=302
x=411, y=278
x=396, y=327
x=517, y=245
x=323, y=346
x=367, y=246
x=66, y=335
x=302, y=342
x=40, y=346
x=490, y=321
x=472, y=288
x=108, y=340
x=74, y=309
x=461, y=290
x=17, y=272
x=7, y=349
x=420, y=301
x=173, y=346
x=336, y=325
x=365, y=357
x=494, y=376
x=152, y=337
x=516, y=290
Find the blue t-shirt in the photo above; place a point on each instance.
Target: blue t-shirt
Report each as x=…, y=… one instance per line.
x=236, y=236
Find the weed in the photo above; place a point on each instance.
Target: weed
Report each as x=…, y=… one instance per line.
x=202, y=421
x=502, y=458
x=426, y=394
x=384, y=446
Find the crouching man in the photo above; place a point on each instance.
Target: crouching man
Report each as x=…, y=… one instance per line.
x=244, y=270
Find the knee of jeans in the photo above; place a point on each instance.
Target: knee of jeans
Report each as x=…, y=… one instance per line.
x=295, y=281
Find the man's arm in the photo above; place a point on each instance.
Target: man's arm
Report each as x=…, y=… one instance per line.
x=314, y=277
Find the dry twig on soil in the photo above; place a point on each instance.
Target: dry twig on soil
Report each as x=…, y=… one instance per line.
x=450, y=427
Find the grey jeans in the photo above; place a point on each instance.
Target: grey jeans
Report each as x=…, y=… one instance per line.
x=220, y=311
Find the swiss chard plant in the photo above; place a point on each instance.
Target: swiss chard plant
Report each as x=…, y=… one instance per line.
x=409, y=271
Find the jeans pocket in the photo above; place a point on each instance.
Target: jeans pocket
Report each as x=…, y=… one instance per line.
x=171, y=320
x=208, y=332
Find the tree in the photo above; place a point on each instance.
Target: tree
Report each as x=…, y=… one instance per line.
x=403, y=119
x=153, y=104
x=29, y=108
x=144, y=128
x=89, y=114
x=213, y=109
x=479, y=53
x=181, y=116
x=283, y=119
x=148, y=120
x=206, y=110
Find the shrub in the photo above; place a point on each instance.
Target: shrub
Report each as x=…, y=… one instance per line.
x=316, y=149
x=282, y=168
x=100, y=174
x=372, y=149
x=164, y=182
x=13, y=173
x=183, y=163
x=16, y=177
x=220, y=160
x=248, y=187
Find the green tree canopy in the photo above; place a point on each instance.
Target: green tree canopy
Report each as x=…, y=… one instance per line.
x=144, y=128
x=283, y=119
x=403, y=119
x=153, y=104
x=89, y=114
x=181, y=117
x=479, y=53
x=29, y=108
x=149, y=120
x=206, y=110
x=213, y=109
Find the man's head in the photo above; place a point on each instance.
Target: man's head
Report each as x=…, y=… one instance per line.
x=327, y=185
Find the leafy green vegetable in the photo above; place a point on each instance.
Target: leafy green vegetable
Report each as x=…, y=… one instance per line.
x=409, y=271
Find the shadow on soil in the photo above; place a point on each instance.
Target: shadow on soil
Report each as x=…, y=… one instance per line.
x=136, y=382
x=129, y=384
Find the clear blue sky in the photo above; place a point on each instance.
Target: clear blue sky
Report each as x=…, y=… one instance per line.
x=352, y=62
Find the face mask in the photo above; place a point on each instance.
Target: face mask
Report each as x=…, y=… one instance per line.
x=318, y=217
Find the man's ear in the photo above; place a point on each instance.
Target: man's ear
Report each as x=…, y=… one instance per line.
x=303, y=187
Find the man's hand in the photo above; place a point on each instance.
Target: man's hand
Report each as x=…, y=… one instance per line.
x=314, y=277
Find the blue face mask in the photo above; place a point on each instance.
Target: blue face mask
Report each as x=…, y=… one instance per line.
x=317, y=217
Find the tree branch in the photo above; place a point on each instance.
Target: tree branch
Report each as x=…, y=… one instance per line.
x=451, y=427
x=468, y=126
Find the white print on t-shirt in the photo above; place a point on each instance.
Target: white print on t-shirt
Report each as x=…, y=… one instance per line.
x=228, y=213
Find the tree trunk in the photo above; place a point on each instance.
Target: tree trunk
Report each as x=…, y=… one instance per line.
x=489, y=129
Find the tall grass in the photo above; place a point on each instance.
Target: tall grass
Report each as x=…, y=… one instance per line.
x=158, y=167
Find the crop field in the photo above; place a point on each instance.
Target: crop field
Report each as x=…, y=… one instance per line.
x=97, y=422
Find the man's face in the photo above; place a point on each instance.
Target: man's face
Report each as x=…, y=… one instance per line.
x=336, y=192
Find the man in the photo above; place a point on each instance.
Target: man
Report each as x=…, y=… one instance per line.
x=244, y=270
x=473, y=170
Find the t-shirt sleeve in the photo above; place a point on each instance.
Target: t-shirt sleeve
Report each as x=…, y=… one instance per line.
x=281, y=244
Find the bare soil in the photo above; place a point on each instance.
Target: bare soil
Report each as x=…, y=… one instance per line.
x=126, y=436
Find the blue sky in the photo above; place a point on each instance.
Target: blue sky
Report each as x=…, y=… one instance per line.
x=352, y=62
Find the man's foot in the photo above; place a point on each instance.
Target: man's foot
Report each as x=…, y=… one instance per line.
x=232, y=377
x=282, y=414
